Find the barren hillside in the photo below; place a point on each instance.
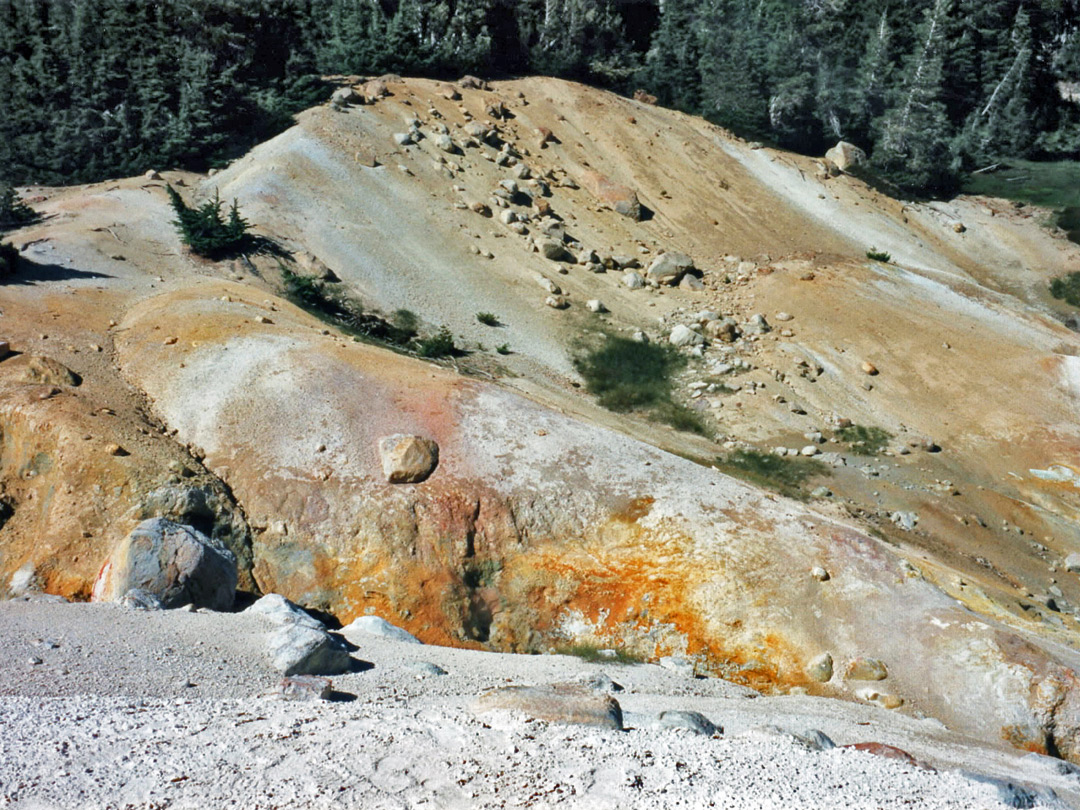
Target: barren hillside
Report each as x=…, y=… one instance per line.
x=937, y=391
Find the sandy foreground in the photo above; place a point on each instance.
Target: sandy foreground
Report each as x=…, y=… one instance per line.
x=103, y=707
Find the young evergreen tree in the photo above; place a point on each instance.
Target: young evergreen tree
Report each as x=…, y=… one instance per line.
x=913, y=148
x=672, y=69
x=733, y=81
x=13, y=211
x=205, y=231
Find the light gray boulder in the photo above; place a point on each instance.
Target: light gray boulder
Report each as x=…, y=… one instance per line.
x=281, y=611
x=345, y=95
x=689, y=721
x=678, y=665
x=296, y=649
x=685, y=336
x=846, y=156
x=668, y=268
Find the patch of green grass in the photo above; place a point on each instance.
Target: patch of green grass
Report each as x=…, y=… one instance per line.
x=1051, y=183
x=625, y=376
x=441, y=344
x=878, y=255
x=867, y=441
x=1067, y=288
x=784, y=474
x=591, y=653
x=503, y=349
x=487, y=318
x=406, y=322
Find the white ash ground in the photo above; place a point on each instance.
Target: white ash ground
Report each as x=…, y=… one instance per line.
x=131, y=709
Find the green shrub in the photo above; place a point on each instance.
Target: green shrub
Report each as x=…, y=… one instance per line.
x=205, y=231
x=503, y=349
x=625, y=375
x=878, y=255
x=1067, y=288
x=345, y=312
x=440, y=344
x=487, y=318
x=867, y=441
x=9, y=259
x=13, y=211
x=406, y=323
x=783, y=474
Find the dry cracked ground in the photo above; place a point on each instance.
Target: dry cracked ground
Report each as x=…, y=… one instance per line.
x=936, y=392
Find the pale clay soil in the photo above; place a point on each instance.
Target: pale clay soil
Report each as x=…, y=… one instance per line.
x=131, y=709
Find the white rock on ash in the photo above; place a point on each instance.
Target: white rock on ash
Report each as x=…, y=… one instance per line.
x=378, y=626
x=685, y=336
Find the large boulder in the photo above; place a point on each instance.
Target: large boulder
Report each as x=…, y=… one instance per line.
x=846, y=156
x=668, y=268
x=619, y=198
x=174, y=562
x=408, y=459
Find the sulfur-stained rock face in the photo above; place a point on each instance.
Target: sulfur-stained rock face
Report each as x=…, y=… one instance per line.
x=66, y=500
x=523, y=542
x=407, y=459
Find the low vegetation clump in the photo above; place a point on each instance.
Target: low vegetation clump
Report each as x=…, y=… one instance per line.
x=595, y=655
x=878, y=255
x=868, y=441
x=345, y=312
x=441, y=344
x=784, y=474
x=206, y=231
x=9, y=259
x=13, y=211
x=503, y=349
x=487, y=318
x=625, y=376
x=1067, y=288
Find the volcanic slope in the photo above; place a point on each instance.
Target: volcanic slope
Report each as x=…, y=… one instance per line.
x=551, y=521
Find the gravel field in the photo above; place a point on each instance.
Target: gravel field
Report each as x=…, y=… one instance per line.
x=109, y=708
